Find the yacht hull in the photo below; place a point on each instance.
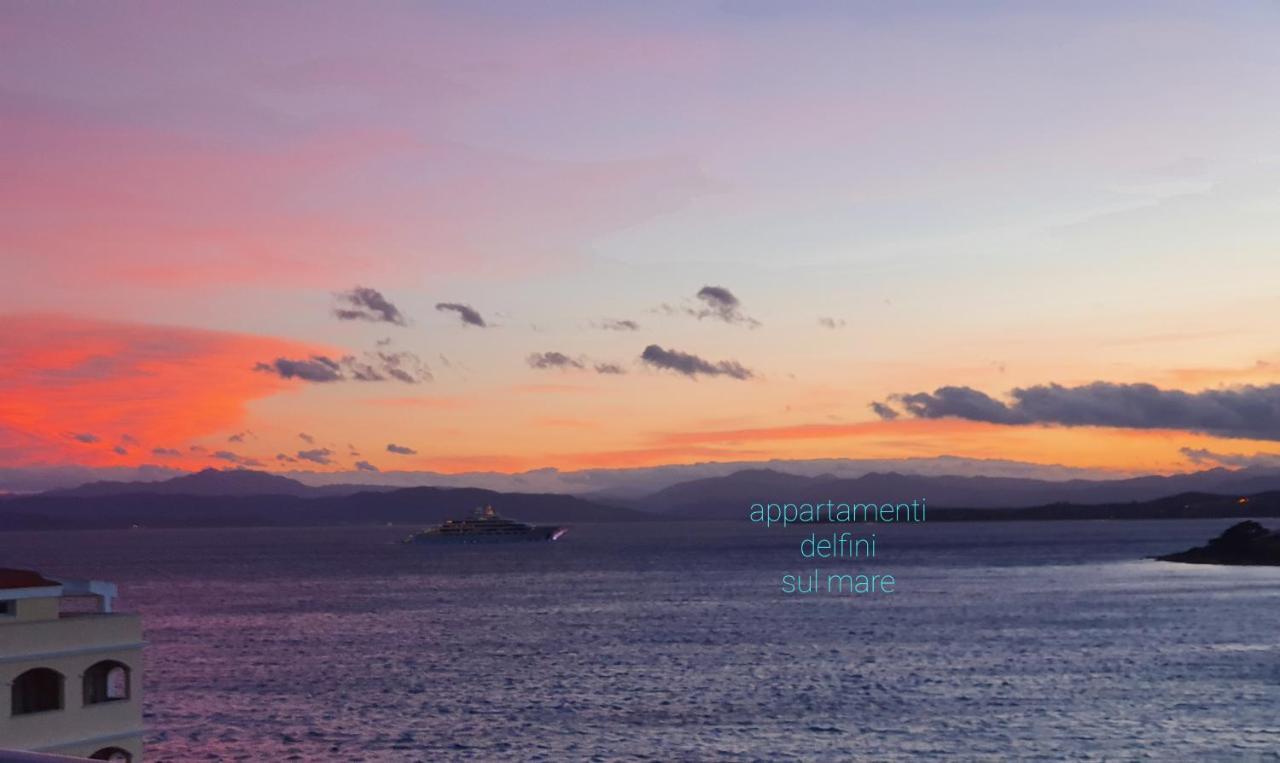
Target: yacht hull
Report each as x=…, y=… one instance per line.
x=538, y=534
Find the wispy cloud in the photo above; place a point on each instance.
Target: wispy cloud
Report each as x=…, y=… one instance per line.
x=612, y=324
x=401, y=450
x=714, y=302
x=235, y=458
x=1204, y=456
x=467, y=314
x=322, y=456
x=719, y=303
x=317, y=368
x=558, y=360
x=831, y=323
x=692, y=365
x=544, y=360
x=884, y=411
x=365, y=466
x=375, y=366
x=365, y=304
x=403, y=366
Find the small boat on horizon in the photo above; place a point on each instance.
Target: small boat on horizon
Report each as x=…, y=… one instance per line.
x=485, y=526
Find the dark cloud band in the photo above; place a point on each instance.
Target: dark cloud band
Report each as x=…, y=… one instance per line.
x=692, y=365
x=370, y=367
x=1241, y=412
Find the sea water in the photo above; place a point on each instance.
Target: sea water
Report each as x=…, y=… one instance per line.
x=665, y=642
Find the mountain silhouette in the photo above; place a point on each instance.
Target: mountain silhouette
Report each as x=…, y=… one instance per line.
x=235, y=498
x=217, y=482
x=730, y=497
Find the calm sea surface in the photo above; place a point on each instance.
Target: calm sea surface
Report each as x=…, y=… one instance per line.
x=1023, y=641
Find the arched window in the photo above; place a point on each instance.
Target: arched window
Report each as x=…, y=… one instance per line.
x=36, y=691
x=106, y=681
x=112, y=753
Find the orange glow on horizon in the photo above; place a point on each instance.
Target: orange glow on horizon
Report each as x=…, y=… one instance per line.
x=103, y=393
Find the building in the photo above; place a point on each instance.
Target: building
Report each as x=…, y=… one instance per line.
x=70, y=676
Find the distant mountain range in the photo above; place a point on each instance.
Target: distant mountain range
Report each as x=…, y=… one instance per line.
x=629, y=482
x=728, y=497
x=241, y=497
x=237, y=497
x=1180, y=506
x=210, y=482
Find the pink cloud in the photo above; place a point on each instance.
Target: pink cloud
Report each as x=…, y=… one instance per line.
x=73, y=390
x=304, y=155
x=140, y=205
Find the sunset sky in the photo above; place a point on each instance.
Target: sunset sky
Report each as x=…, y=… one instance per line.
x=507, y=236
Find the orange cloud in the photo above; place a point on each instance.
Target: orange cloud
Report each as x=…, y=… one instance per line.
x=430, y=403
x=1124, y=451
x=553, y=389
x=831, y=431
x=625, y=459
x=151, y=206
x=608, y=459
x=140, y=204
x=105, y=393
x=1261, y=372
x=557, y=422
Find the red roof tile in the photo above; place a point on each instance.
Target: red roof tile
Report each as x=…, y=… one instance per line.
x=23, y=579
